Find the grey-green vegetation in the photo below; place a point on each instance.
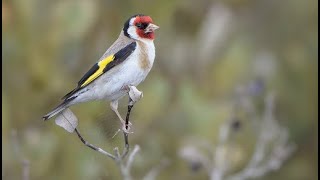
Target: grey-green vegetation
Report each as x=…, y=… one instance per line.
x=206, y=53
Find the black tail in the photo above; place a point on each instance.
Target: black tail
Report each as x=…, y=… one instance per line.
x=55, y=111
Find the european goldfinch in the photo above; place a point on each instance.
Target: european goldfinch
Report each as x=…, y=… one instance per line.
x=126, y=63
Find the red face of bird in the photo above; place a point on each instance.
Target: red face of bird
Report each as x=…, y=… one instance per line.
x=140, y=27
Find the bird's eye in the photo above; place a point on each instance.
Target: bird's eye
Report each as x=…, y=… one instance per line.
x=142, y=25
x=139, y=25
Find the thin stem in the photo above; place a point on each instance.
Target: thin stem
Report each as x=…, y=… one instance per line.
x=126, y=146
x=132, y=155
x=125, y=134
x=94, y=147
x=128, y=115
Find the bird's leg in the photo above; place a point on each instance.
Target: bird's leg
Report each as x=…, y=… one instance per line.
x=114, y=107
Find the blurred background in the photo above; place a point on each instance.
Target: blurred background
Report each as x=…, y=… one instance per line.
x=220, y=65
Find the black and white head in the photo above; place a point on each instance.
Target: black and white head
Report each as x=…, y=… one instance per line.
x=140, y=27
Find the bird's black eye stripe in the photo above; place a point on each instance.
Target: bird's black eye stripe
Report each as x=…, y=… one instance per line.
x=142, y=25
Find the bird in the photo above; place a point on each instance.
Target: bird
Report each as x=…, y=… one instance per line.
x=127, y=62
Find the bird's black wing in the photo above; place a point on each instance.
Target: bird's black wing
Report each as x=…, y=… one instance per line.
x=103, y=66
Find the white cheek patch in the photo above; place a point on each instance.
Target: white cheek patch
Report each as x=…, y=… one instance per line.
x=132, y=21
x=132, y=32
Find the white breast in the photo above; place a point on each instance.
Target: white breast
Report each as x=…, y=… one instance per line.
x=131, y=72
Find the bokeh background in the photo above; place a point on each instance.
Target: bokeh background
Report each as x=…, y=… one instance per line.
x=206, y=52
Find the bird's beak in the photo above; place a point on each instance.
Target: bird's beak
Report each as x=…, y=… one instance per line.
x=151, y=28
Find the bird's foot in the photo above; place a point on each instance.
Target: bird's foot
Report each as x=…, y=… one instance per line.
x=126, y=128
x=134, y=94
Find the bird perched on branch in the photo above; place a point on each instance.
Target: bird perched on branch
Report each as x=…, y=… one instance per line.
x=126, y=63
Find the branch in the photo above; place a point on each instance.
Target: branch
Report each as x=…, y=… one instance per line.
x=131, y=156
x=94, y=147
x=262, y=163
x=67, y=120
x=271, y=135
x=126, y=167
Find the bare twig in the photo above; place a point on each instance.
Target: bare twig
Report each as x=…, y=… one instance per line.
x=94, y=147
x=125, y=134
x=134, y=96
x=130, y=106
x=261, y=162
x=126, y=145
x=125, y=167
x=69, y=122
x=270, y=135
x=132, y=155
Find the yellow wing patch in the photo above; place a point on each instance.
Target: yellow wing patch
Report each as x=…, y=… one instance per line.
x=102, y=64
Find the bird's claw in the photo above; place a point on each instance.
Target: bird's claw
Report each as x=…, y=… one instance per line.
x=126, y=129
